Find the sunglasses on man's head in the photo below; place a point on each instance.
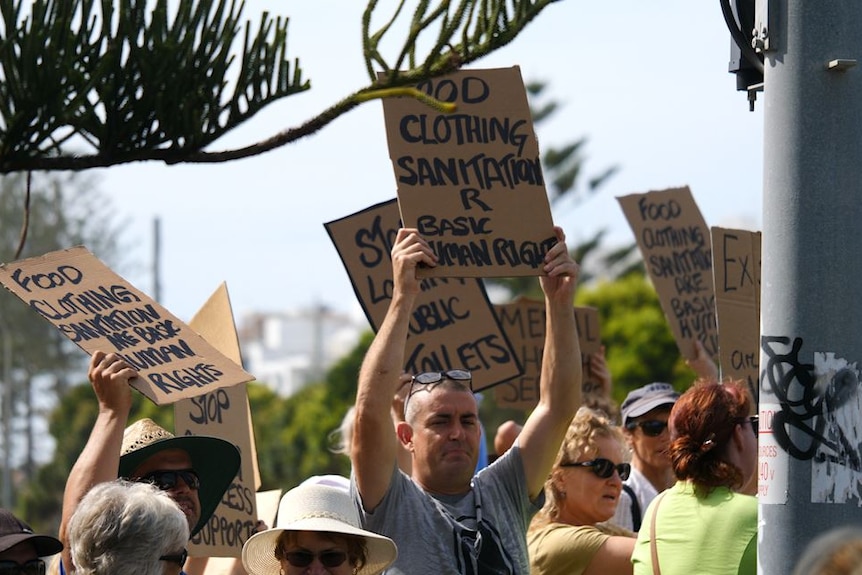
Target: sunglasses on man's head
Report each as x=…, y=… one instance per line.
x=650, y=427
x=32, y=567
x=602, y=467
x=305, y=558
x=167, y=480
x=430, y=377
x=435, y=377
x=179, y=558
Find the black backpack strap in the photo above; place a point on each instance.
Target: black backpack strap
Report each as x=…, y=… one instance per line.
x=636, y=508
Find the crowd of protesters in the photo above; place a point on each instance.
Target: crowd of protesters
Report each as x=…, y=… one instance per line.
x=661, y=485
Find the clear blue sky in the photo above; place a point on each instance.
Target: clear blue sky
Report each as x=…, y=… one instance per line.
x=645, y=82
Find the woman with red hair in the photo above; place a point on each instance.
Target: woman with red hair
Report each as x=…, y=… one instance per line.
x=705, y=523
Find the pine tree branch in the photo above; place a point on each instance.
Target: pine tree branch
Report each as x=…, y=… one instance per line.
x=138, y=86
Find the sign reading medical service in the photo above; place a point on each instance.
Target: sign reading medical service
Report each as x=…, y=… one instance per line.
x=523, y=320
x=471, y=181
x=99, y=310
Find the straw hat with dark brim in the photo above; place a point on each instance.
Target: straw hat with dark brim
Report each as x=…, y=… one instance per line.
x=215, y=460
x=316, y=508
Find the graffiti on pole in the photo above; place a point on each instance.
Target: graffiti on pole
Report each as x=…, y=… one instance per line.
x=818, y=406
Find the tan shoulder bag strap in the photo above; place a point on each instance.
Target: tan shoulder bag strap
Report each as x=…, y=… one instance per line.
x=652, y=538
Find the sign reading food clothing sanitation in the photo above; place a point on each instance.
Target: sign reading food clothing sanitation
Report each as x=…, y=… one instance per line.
x=524, y=323
x=675, y=243
x=223, y=413
x=99, y=310
x=453, y=324
x=471, y=181
x=736, y=269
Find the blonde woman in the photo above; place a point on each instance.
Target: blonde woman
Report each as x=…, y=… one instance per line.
x=569, y=535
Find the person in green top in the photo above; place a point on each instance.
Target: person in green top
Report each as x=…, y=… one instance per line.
x=705, y=523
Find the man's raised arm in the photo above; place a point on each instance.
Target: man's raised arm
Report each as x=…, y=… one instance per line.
x=561, y=378
x=373, y=450
x=100, y=460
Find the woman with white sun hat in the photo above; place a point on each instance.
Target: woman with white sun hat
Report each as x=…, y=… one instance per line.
x=317, y=532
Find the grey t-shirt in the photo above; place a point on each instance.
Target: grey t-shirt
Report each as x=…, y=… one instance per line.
x=437, y=534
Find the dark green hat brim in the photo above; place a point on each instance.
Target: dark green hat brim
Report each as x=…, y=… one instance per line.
x=215, y=460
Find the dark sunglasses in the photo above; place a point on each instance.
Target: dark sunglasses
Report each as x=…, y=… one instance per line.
x=754, y=420
x=32, y=567
x=650, y=427
x=167, y=480
x=435, y=377
x=304, y=558
x=179, y=558
x=602, y=467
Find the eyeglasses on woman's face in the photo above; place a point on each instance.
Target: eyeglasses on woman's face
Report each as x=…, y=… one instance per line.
x=754, y=420
x=649, y=427
x=603, y=468
x=178, y=558
x=329, y=559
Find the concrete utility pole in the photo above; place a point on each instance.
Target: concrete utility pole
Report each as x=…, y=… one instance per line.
x=810, y=464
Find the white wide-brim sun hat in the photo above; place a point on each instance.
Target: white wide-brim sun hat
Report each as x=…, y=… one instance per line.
x=316, y=508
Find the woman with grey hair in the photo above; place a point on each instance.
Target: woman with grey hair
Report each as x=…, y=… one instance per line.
x=125, y=527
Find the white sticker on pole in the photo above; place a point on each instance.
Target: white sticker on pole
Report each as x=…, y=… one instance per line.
x=773, y=465
x=836, y=468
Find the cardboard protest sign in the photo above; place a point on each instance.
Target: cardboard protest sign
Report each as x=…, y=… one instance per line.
x=223, y=413
x=524, y=323
x=736, y=269
x=471, y=181
x=675, y=243
x=453, y=324
x=267, y=504
x=99, y=310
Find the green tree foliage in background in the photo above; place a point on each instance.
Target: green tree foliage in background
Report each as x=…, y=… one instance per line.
x=132, y=81
x=291, y=435
x=639, y=345
x=59, y=211
x=40, y=501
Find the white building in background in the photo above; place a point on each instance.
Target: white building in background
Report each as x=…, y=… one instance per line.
x=289, y=350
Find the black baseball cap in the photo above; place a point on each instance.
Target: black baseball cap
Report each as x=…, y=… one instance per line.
x=14, y=531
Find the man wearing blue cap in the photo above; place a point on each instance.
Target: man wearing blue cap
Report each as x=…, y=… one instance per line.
x=644, y=414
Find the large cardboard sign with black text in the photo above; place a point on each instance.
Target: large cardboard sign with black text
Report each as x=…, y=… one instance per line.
x=736, y=266
x=675, y=243
x=99, y=310
x=471, y=181
x=223, y=413
x=453, y=324
x=524, y=323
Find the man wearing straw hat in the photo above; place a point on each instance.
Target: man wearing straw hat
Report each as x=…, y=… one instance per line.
x=194, y=470
x=444, y=519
